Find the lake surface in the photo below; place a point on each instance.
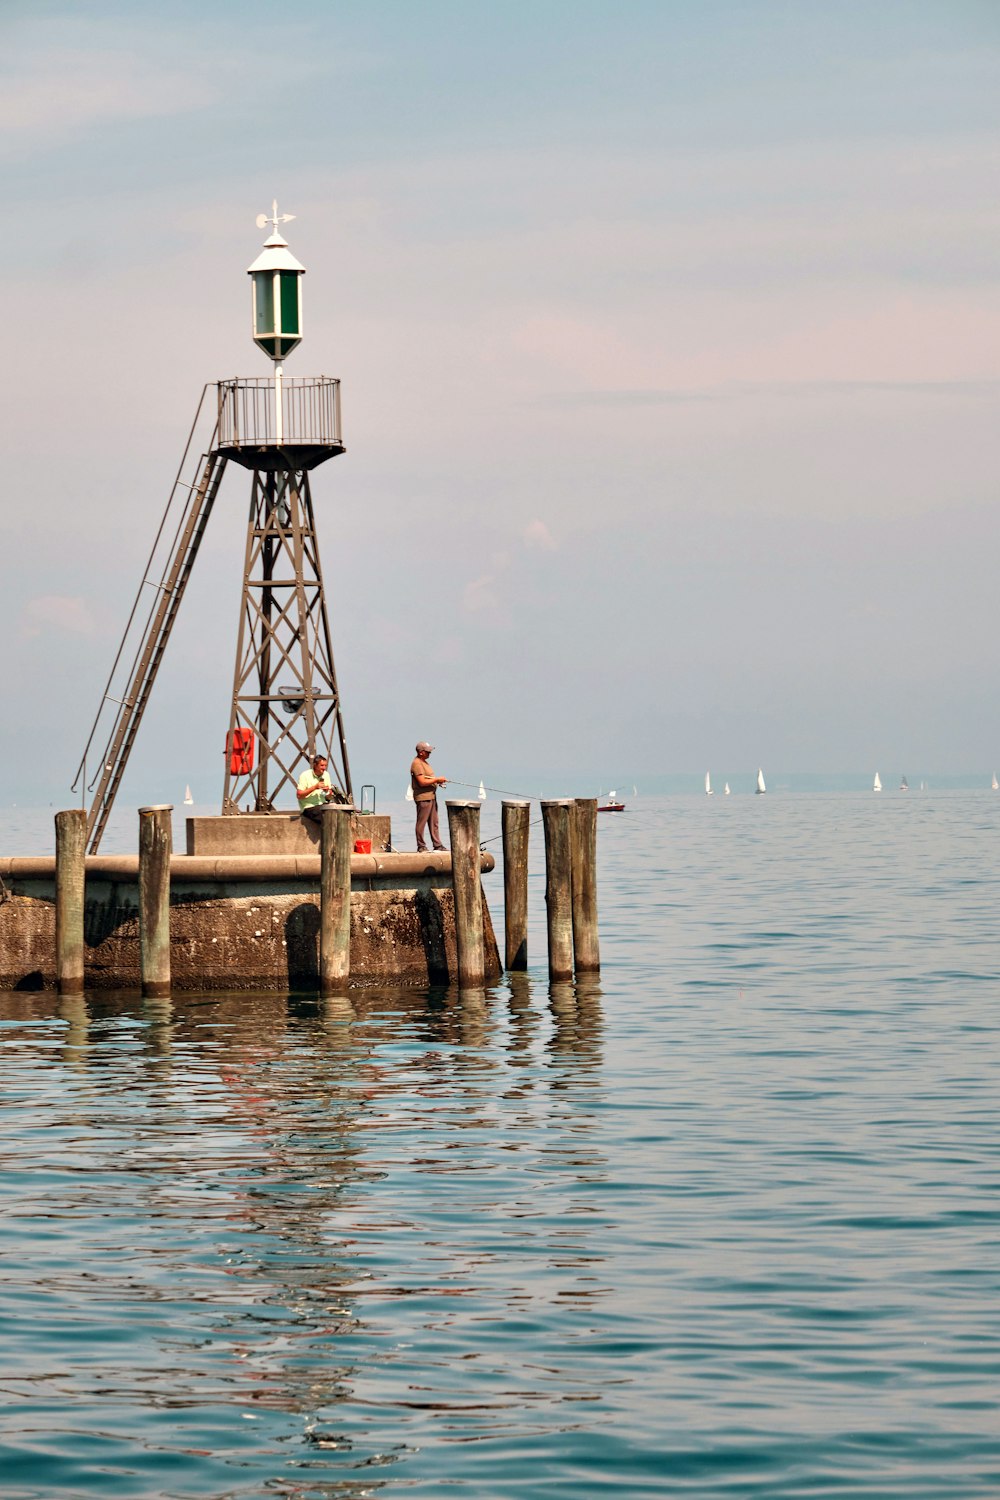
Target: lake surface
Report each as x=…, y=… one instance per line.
x=724, y=1223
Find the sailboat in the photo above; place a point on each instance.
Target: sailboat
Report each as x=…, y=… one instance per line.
x=877, y=783
x=726, y=789
x=904, y=785
x=708, y=784
x=409, y=794
x=188, y=799
x=995, y=783
x=482, y=792
x=760, y=781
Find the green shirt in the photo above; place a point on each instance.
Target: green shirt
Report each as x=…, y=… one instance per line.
x=314, y=799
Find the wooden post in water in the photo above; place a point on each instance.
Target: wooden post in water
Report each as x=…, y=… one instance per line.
x=71, y=849
x=463, y=830
x=586, y=949
x=335, y=899
x=558, y=827
x=515, y=817
x=155, y=843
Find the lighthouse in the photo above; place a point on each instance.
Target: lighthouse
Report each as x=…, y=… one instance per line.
x=285, y=704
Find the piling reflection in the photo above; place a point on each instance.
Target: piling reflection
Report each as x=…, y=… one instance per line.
x=73, y=1010
x=575, y=1007
x=159, y=1016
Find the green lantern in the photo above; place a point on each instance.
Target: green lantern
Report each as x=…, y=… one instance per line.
x=276, y=281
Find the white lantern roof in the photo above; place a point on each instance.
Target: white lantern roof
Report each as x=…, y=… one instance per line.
x=275, y=256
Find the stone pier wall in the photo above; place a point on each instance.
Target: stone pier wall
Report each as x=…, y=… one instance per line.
x=242, y=922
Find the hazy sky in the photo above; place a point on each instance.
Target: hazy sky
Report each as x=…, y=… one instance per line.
x=669, y=336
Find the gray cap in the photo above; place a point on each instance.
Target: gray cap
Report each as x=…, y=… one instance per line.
x=423, y=745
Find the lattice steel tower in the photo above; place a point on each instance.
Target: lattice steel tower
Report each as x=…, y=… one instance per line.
x=285, y=704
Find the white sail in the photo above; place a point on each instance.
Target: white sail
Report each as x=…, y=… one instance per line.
x=188, y=799
x=726, y=789
x=877, y=784
x=409, y=794
x=708, y=784
x=760, y=780
x=482, y=792
x=996, y=784
x=635, y=791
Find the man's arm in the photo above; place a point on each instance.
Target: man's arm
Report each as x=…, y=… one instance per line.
x=425, y=779
x=307, y=791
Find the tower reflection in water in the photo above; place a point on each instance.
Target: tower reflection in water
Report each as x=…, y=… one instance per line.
x=379, y=1215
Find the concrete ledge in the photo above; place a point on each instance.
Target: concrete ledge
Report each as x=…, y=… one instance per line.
x=233, y=867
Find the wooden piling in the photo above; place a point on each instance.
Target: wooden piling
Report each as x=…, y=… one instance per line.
x=335, y=899
x=515, y=818
x=586, y=948
x=155, y=846
x=463, y=830
x=558, y=829
x=71, y=850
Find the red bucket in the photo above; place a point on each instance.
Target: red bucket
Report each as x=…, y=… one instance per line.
x=362, y=846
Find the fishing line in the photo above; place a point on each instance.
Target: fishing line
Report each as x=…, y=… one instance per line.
x=475, y=785
x=483, y=842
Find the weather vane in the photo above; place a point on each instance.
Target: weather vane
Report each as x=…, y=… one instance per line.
x=274, y=218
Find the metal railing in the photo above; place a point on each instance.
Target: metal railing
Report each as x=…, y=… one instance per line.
x=310, y=412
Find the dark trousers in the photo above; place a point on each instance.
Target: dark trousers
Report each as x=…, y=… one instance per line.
x=427, y=816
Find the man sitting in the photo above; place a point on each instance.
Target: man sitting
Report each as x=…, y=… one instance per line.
x=315, y=789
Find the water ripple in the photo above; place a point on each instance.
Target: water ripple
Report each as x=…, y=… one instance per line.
x=721, y=1225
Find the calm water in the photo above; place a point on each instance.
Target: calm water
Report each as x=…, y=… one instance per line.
x=725, y=1224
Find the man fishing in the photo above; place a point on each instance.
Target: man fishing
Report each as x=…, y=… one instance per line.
x=424, y=782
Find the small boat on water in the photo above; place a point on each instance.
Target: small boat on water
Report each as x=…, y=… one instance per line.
x=995, y=784
x=708, y=784
x=188, y=799
x=760, y=782
x=877, y=783
x=904, y=785
x=725, y=789
x=482, y=792
x=612, y=804
x=409, y=794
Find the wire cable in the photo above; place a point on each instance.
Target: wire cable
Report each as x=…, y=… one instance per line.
x=499, y=791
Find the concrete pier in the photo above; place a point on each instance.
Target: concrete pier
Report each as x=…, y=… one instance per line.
x=243, y=922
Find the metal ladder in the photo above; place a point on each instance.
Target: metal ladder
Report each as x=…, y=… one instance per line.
x=191, y=504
